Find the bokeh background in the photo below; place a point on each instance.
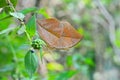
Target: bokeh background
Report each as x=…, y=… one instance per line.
x=96, y=57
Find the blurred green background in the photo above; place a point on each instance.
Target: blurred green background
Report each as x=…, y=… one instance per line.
x=96, y=57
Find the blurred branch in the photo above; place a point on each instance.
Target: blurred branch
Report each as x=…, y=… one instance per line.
x=111, y=23
x=37, y=3
x=11, y=5
x=101, y=21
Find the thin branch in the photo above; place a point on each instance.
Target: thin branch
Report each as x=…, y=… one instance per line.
x=11, y=5
x=37, y=3
x=22, y=22
x=111, y=23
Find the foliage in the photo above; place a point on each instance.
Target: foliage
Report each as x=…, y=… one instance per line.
x=31, y=62
x=31, y=26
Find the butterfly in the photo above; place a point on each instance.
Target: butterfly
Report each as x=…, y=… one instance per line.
x=58, y=34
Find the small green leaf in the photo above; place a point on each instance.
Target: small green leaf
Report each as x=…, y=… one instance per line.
x=31, y=62
x=43, y=12
x=17, y=15
x=89, y=62
x=65, y=75
x=31, y=26
x=28, y=10
x=41, y=53
x=9, y=29
x=81, y=31
x=3, y=3
x=69, y=61
x=117, y=41
x=6, y=17
x=55, y=66
x=21, y=30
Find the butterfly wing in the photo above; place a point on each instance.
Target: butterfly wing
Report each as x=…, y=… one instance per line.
x=56, y=34
x=51, y=25
x=69, y=36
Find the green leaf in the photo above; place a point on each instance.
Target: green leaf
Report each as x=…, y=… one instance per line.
x=41, y=53
x=31, y=26
x=55, y=66
x=21, y=30
x=17, y=15
x=66, y=75
x=3, y=3
x=117, y=42
x=28, y=10
x=89, y=62
x=69, y=61
x=6, y=17
x=43, y=12
x=81, y=31
x=4, y=21
x=9, y=29
x=31, y=62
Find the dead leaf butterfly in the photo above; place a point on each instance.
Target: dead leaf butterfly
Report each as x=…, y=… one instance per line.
x=58, y=34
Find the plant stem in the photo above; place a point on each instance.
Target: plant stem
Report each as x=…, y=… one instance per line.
x=22, y=22
x=28, y=36
x=11, y=5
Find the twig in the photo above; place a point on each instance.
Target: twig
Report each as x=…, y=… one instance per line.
x=11, y=5
x=22, y=22
x=37, y=3
x=111, y=23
